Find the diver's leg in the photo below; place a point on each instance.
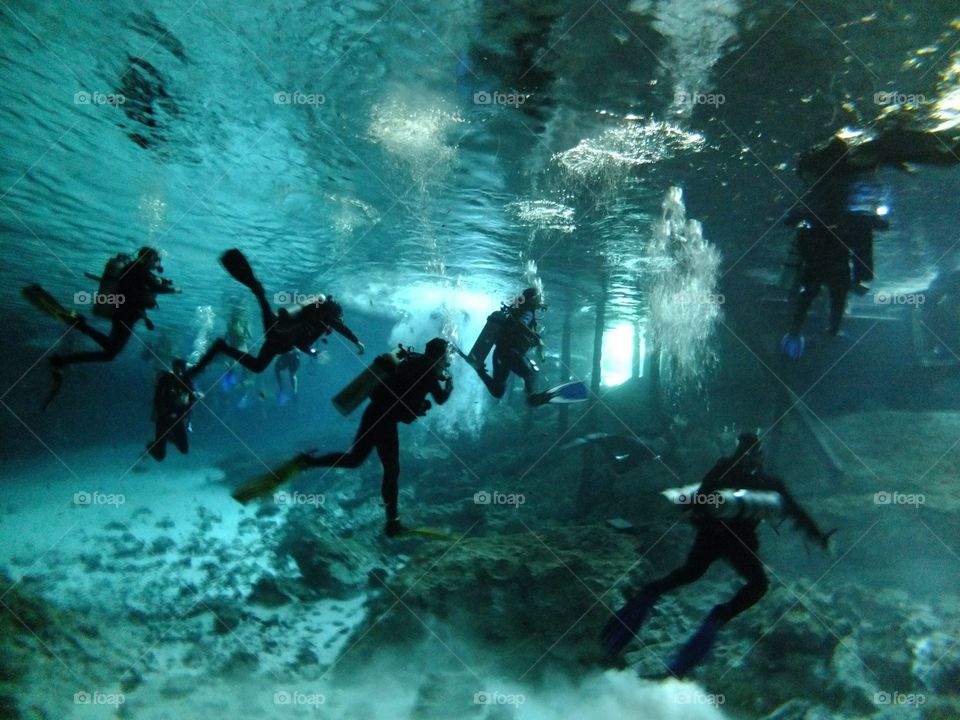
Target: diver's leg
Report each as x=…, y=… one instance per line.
x=388, y=450
x=496, y=385
x=838, y=287
x=178, y=435
x=742, y=554
x=808, y=291
x=861, y=248
x=623, y=627
x=363, y=444
x=112, y=344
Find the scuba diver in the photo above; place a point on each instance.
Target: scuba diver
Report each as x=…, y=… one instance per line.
x=173, y=399
x=128, y=288
x=730, y=535
x=283, y=330
x=512, y=333
x=399, y=397
x=289, y=362
x=845, y=204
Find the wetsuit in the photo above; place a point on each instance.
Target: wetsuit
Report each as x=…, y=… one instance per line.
x=282, y=333
x=402, y=398
x=516, y=339
x=138, y=287
x=173, y=400
x=733, y=540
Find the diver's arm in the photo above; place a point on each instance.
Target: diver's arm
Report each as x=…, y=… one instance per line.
x=441, y=393
x=348, y=334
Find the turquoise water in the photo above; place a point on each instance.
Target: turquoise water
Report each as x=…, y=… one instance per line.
x=423, y=163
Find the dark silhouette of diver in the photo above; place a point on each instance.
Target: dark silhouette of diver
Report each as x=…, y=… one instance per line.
x=135, y=289
x=400, y=398
x=839, y=213
x=283, y=330
x=518, y=336
x=732, y=539
x=173, y=399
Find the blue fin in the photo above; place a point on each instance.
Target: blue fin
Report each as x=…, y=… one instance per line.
x=792, y=345
x=570, y=392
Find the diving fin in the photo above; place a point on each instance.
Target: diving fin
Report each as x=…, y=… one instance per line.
x=478, y=365
x=428, y=534
x=42, y=300
x=268, y=482
x=792, y=345
x=624, y=625
x=570, y=392
x=235, y=263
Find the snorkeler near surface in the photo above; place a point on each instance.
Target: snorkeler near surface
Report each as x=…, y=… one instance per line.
x=173, y=400
x=726, y=509
x=400, y=397
x=512, y=333
x=128, y=288
x=283, y=330
x=837, y=216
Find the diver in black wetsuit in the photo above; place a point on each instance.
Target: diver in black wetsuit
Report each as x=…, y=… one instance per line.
x=173, y=399
x=838, y=215
x=517, y=337
x=135, y=289
x=402, y=397
x=733, y=539
x=283, y=332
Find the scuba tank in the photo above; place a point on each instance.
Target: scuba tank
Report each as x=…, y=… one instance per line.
x=728, y=504
x=109, y=286
x=363, y=385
